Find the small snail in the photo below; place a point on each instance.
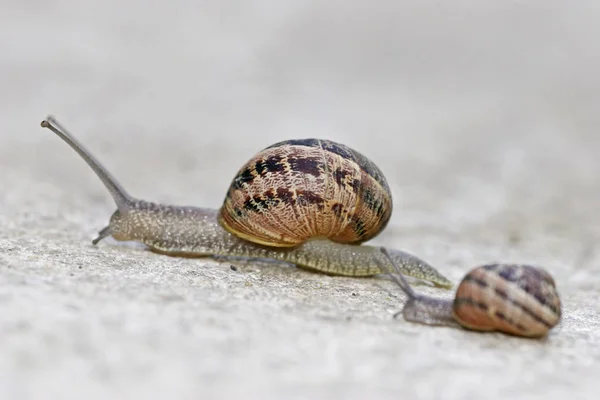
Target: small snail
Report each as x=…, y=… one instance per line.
x=280, y=205
x=520, y=300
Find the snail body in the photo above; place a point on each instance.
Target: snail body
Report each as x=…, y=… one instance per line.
x=520, y=300
x=308, y=202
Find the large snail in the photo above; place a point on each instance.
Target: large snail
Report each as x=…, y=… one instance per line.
x=308, y=202
x=520, y=300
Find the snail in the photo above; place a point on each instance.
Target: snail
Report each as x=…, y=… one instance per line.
x=310, y=202
x=520, y=300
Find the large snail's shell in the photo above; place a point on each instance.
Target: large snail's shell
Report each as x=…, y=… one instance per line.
x=516, y=299
x=300, y=189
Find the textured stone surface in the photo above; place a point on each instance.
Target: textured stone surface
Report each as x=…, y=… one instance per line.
x=483, y=116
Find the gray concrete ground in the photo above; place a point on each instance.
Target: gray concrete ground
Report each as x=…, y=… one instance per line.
x=483, y=115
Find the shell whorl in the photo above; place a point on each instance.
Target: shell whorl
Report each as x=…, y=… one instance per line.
x=516, y=299
x=300, y=189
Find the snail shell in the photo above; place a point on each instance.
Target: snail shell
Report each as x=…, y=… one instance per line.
x=516, y=299
x=300, y=189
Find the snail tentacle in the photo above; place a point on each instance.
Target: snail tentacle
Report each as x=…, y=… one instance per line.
x=419, y=308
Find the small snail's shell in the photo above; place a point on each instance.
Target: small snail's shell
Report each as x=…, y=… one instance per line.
x=516, y=299
x=300, y=189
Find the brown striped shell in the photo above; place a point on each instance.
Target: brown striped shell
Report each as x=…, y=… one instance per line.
x=516, y=299
x=300, y=189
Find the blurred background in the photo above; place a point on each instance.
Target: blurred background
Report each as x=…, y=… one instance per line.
x=483, y=115
x=449, y=100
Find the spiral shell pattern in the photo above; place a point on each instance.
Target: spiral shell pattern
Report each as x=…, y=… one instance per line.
x=516, y=299
x=300, y=189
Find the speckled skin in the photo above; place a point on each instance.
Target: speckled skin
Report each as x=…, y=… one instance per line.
x=196, y=232
x=296, y=190
x=520, y=300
